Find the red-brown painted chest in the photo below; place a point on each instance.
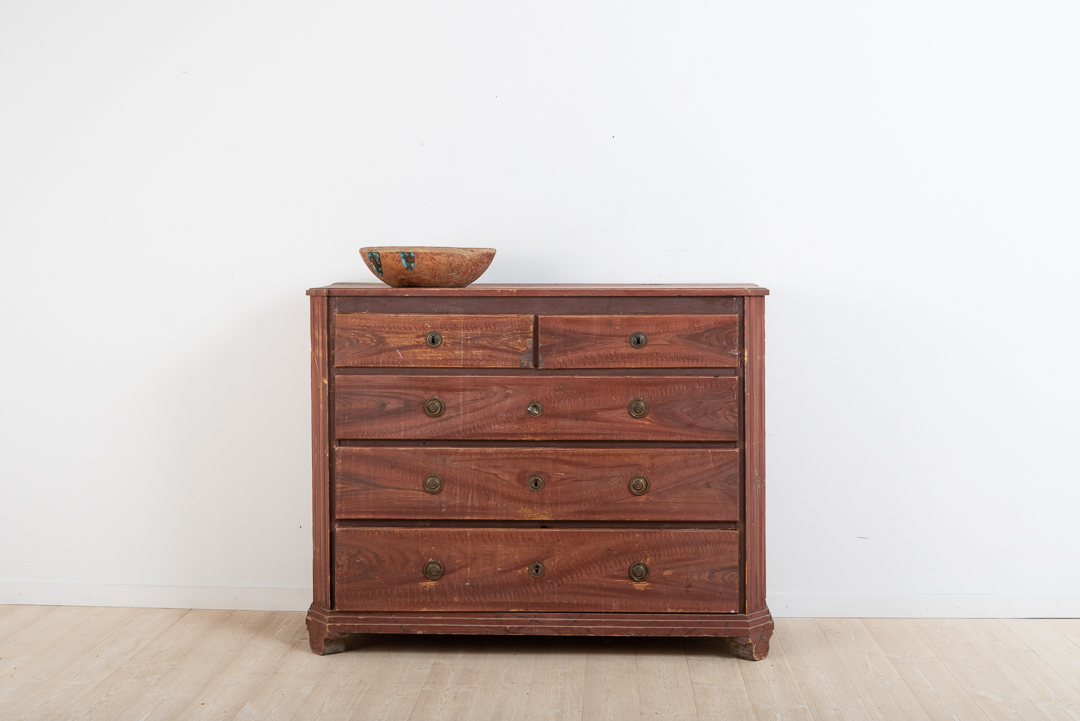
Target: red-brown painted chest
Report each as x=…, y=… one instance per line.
x=515, y=459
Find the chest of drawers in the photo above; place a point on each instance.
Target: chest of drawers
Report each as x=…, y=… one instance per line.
x=500, y=459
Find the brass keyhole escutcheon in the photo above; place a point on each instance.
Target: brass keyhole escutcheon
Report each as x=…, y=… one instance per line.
x=433, y=339
x=534, y=409
x=536, y=569
x=434, y=407
x=433, y=484
x=536, y=482
x=639, y=485
x=638, y=572
x=639, y=408
x=433, y=570
x=638, y=340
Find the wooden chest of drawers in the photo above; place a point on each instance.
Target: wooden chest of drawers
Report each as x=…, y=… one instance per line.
x=581, y=460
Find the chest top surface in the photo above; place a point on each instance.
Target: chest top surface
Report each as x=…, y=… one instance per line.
x=524, y=290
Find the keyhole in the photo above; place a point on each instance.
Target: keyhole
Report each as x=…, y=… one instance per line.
x=433, y=339
x=638, y=340
x=536, y=482
x=536, y=569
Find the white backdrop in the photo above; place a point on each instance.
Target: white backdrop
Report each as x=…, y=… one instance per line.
x=904, y=177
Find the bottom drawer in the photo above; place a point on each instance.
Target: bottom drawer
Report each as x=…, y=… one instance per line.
x=583, y=570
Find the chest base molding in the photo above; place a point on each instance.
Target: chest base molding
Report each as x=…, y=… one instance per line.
x=747, y=634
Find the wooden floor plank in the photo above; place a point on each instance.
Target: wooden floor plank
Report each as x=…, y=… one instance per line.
x=153, y=679
x=68, y=664
x=342, y=680
x=21, y=649
x=56, y=662
x=937, y=690
x=59, y=692
x=716, y=681
x=505, y=677
x=818, y=671
x=884, y=693
x=15, y=618
x=1056, y=642
x=1032, y=676
x=557, y=688
x=451, y=685
x=610, y=691
x=996, y=696
x=253, y=668
x=772, y=688
x=662, y=677
x=399, y=677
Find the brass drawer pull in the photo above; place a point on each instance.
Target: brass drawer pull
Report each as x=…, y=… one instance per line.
x=638, y=340
x=433, y=484
x=433, y=570
x=639, y=408
x=534, y=409
x=638, y=572
x=434, y=407
x=536, y=569
x=536, y=482
x=639, y=485
x=433, y=339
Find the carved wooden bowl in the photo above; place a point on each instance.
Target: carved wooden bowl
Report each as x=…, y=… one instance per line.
x=415, y=266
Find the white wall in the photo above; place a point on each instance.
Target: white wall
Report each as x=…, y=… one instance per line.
x=904, y=176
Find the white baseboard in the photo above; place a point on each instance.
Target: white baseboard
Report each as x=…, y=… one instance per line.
x=781, y=605
x=796, y=605
x=103, y=594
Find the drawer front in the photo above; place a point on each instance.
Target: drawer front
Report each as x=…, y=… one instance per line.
x=639, y=341
x=680, y=408
x=601, y=484
x=584, y=570
x=432, y=341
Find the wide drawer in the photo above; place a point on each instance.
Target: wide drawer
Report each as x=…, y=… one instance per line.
x=639, y=341
x=645, y=484
x=676, y=408
x=432, y=340
x=584, y=570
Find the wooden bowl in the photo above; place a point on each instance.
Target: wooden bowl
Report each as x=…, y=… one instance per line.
x=414, y=266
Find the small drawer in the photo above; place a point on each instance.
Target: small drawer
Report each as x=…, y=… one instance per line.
x=627, y=408
x=555, y=569
x=639, y=341
x=569, y=484
x=432, y=341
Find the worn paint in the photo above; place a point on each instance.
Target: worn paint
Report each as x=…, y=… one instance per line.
x=408, y=260
x=376, y=261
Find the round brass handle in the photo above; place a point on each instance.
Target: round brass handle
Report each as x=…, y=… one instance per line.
x=639, y=408
x=638, y=340
x=536, y=569
x=434, y=407
x=433, y=570
x=536, y=482
x=639, y=485
x=534, y=409
x=433, y=484
x=433, y=339
x=638, y=572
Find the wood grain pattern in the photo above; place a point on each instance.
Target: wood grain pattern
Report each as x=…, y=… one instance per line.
x=579, y=484
x=398, y=339
x=320, y=452
x=673, y=341
x=575, y=407
x=545, y=290
x=690, y=571
x=754, y=389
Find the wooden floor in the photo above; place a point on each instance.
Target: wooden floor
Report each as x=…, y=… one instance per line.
x=124, y=663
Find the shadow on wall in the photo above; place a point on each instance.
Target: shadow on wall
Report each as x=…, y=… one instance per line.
x=234, y=499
